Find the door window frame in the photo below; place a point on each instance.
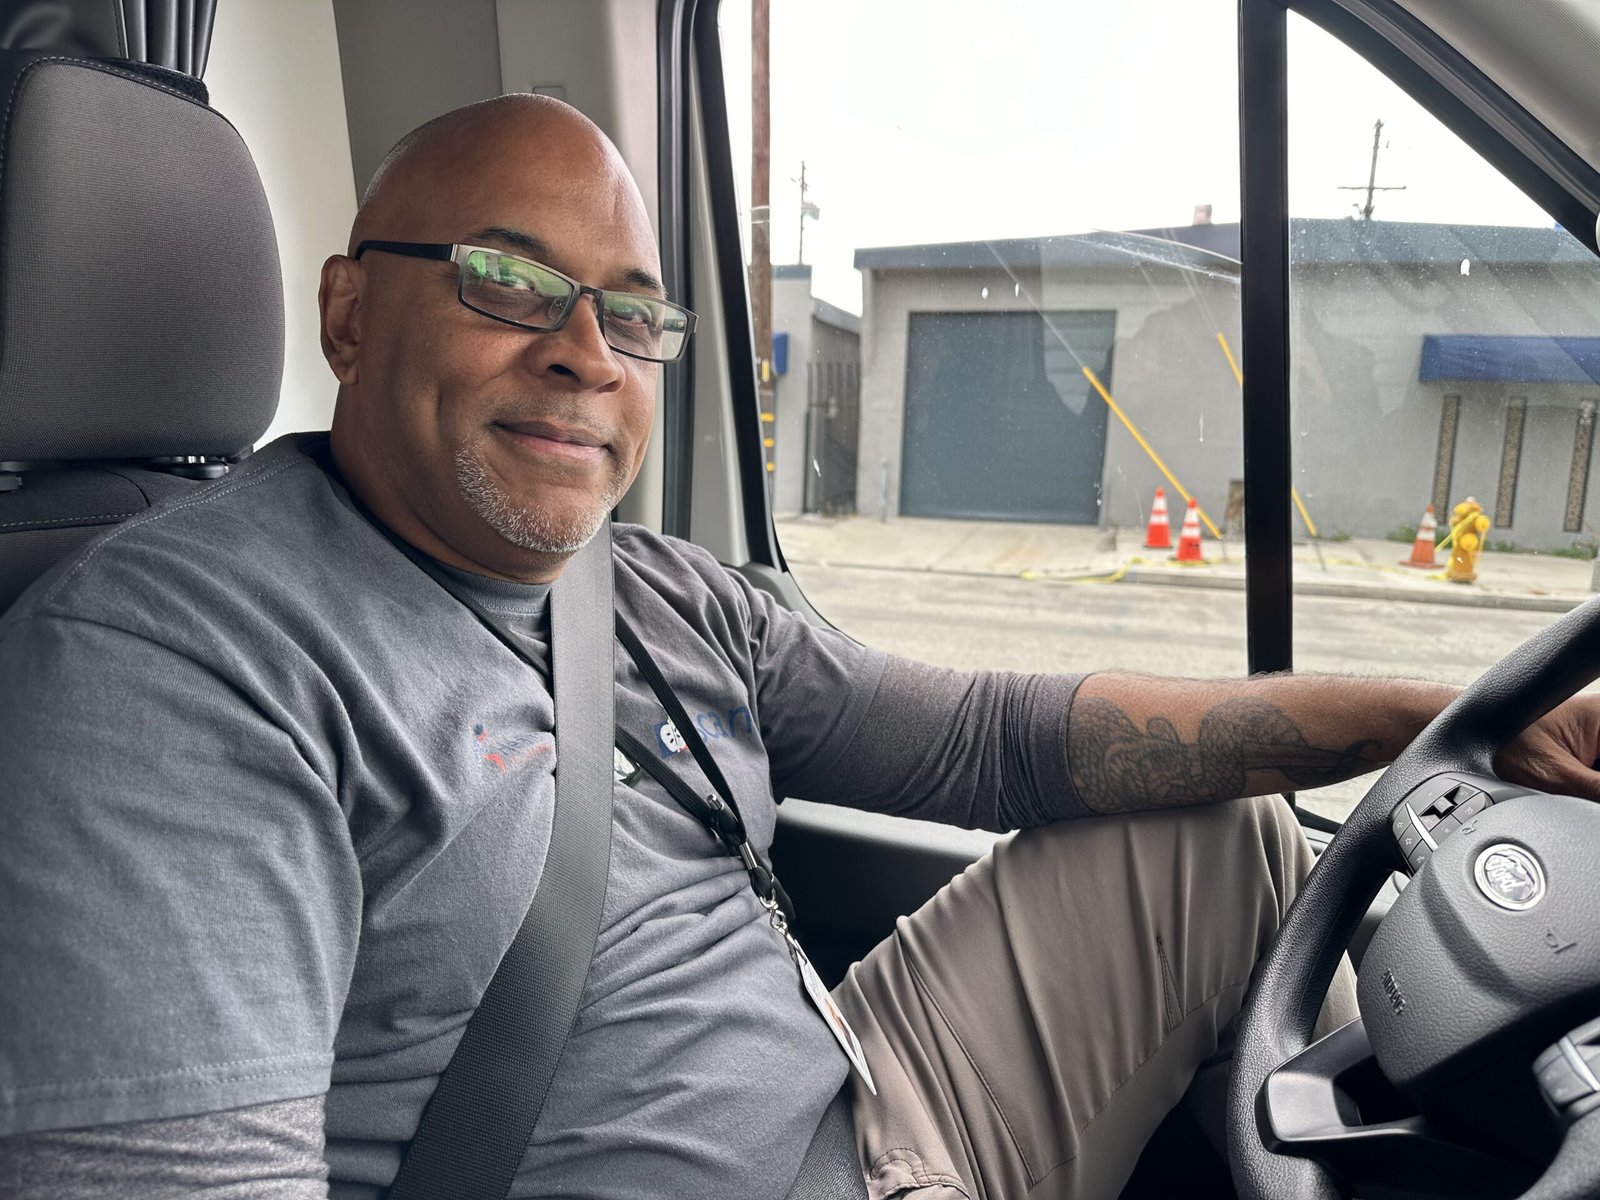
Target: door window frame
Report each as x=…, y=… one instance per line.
x=1398, y=45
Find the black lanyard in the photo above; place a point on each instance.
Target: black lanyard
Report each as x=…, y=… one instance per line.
x=716, y=810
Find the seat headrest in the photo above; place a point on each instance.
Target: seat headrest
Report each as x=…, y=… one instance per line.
x=141, y=304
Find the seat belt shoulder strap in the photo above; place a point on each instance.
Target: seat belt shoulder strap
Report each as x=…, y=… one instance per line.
x=476, y=1127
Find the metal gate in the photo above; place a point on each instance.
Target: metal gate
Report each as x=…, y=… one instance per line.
x=833, y=417
x=1000, y=422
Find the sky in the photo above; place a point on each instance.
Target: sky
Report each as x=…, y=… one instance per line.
x=918, y=123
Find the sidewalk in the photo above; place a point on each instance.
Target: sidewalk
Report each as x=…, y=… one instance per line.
x=1080, y=554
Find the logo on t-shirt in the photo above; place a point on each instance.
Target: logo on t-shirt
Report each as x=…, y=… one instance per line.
x=668, y=740
x=736, y=722
x=512, y=751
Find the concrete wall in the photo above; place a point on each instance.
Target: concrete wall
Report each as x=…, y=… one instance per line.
x=1365, y=429
x=1168, y=373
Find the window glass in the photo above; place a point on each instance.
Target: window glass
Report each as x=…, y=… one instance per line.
x=1446, y=347
x=1004, y=312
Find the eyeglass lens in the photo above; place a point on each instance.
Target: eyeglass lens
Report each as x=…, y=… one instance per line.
x=518, y=290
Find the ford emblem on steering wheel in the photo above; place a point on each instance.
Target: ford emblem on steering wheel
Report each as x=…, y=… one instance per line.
x=1509, y=876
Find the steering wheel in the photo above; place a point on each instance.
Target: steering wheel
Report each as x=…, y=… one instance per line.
x=1474, y=1069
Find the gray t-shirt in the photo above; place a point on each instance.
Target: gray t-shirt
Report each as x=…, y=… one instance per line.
x=283, y=802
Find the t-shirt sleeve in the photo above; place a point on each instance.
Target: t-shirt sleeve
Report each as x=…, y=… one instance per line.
x=980, y=749
x=262, y=1152
x=812, y=687
x=181, y=900
x=847, y=724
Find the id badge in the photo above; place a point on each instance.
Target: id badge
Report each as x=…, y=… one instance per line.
x=623, y=769
x=840, y=1028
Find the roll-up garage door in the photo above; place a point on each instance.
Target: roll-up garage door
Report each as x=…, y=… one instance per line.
x=1000, y=422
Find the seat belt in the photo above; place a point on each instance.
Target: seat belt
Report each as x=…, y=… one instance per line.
x=476, y=1127
x=475, y=1130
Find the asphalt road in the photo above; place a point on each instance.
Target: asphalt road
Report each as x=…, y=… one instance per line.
x=1006, y=623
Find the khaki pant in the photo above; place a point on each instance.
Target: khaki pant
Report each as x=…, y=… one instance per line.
x=1030, y=1026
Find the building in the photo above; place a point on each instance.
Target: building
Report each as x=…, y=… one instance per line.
x=817, y=354
x=1430, y=362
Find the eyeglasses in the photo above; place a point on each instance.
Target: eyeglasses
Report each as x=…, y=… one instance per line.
x=530, y=295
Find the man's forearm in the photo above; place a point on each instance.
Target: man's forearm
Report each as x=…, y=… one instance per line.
x=1140, y=741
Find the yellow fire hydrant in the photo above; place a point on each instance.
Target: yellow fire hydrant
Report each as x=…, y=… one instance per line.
x=1468, y=524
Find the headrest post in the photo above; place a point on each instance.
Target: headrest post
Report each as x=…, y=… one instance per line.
x=191, y=466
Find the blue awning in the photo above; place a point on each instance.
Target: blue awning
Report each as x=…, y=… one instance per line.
x=1510, y=359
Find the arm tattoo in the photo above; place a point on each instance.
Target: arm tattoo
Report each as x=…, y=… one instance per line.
x=1119, y=768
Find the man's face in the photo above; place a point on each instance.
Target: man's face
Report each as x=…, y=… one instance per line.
x=496, y=439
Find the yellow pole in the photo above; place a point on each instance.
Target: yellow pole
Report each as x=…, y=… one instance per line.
x=1227, y=352
x=1094, y=381
x=1294, y=495
x=1294, y=492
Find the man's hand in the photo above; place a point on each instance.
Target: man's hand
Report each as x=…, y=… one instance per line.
x=1558, y=752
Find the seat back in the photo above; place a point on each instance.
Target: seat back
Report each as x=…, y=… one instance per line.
x=141, y=303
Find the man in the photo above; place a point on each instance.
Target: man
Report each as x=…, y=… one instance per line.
x=283, y=801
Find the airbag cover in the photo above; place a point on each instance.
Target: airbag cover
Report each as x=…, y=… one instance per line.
x=1479, y=958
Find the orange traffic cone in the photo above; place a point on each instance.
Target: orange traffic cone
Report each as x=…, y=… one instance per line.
x=1422, y=548
x=1189, y=536
x=1159, y=535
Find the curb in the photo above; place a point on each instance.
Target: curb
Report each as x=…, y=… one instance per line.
x=1456, y=597
x=1452, y=598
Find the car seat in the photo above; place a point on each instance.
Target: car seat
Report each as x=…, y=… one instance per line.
x=141, y=302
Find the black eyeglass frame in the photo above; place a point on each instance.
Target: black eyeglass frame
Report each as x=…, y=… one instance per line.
x=456, y=252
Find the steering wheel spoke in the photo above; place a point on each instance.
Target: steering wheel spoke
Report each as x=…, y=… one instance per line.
x=1569, y=1073
x=1331, y=1103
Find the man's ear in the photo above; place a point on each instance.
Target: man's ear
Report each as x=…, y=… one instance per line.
x=339, y=299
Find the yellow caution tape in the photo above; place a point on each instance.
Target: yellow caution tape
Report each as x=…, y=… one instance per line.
x=1033, y=576
x=1451, y=536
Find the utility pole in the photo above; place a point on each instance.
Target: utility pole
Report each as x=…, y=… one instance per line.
x=1372, y=176
x=761, y=220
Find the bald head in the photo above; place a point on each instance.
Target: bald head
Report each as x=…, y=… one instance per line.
x=490, y=445
x=421, y=178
